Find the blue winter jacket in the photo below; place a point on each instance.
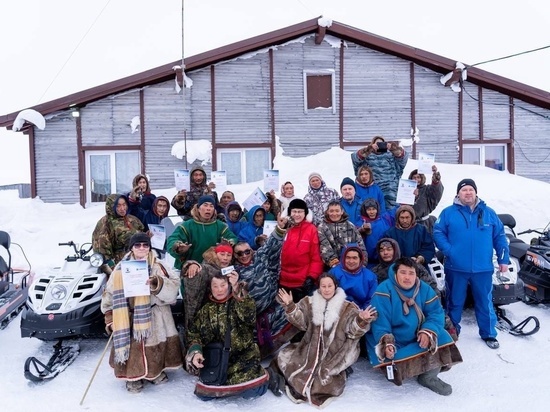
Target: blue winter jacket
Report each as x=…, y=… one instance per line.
x=237, y=226
x=373, y=191
x=467, y=237
x=413, y=242
x=359, y=286
x=353, y=209
x=392, y=319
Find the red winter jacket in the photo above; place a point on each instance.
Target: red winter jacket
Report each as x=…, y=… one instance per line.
x=300, y=255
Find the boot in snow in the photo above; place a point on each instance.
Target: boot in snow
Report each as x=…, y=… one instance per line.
x=431, y=381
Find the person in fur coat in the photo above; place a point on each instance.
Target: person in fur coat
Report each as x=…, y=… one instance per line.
x=146, y=342
x=314, y=369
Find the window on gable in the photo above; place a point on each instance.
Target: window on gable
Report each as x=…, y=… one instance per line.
x=319, y=90
x=490, y=155
x=244, y=165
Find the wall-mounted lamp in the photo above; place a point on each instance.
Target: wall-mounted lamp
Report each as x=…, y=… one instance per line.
x=75, y=112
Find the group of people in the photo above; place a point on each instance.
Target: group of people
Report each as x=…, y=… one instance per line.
x=339, y=276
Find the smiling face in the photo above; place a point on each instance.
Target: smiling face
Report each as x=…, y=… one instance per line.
x=259, y=217
x=327, y=288
x=220, y=288
x=406, y=276
x=352, y=261
x=234, y=215
x=140, y=250
x=372, y=212
x=467, y=195
x=335, y=213
x=298, y=215
x=243, y=253
x=288, y=190
x=315, y=182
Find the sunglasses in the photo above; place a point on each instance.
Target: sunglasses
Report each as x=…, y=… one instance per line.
x=141, y=245
x=246, y=252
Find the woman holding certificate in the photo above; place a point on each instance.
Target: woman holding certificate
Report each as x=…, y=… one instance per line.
x=146, y=342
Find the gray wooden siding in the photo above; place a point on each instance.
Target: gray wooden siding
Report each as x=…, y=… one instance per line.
x=107, y=121
x=496, y=115
x=436, y=116
x=532, y=141
x=163, y=125
x=377, y=95
x=304, y=134
x=242, y=98
x=56, y=160
x=470, y=112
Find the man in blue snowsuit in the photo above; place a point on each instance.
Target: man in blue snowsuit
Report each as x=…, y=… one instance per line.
x=467, y=232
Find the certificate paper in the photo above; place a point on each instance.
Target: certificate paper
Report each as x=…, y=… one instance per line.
x=271, y=180
x=256, y=198
x=425, y=163
x=405, y=191
x=159, y=236
x=134, y=278
x=269, y=226
x=219, y=178
x=181, y=177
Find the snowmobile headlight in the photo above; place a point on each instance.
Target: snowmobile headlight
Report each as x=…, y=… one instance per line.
x=59, y=292
x=96, y=260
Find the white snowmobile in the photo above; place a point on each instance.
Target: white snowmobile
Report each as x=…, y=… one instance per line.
x=64, y=303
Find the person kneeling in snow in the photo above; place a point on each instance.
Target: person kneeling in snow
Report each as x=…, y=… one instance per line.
x=408, y=338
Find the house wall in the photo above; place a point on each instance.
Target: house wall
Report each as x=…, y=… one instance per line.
x=56, y=160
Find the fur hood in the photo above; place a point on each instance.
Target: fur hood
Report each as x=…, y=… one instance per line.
x=327, y=311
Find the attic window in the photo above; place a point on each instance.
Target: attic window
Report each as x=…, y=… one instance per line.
x=319, y=90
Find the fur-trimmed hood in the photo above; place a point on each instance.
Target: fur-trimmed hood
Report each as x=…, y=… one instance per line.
x=327, y=311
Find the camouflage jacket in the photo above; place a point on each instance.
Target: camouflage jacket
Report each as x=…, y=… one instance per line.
x=334, y=236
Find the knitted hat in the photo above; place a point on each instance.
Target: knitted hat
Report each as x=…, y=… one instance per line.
x=224, y=247
x=139, y=237
x=314, y=174
x=466, y=182
x=206, y=199
x=347, y=181
x=297, y=204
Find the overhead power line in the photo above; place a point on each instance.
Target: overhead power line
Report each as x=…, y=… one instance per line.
x=510, y=56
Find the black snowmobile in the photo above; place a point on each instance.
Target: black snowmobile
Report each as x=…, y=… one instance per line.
x=64, y=304
x=535, y=268
x=13, y=284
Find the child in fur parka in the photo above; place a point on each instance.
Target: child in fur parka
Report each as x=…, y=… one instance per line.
x=314, y=369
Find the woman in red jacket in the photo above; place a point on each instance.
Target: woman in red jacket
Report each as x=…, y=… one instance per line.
x=301, y=262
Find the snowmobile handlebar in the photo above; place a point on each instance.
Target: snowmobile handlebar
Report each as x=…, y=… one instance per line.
x=531, y=231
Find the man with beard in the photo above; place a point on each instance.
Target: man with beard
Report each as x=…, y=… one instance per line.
x=184, y=201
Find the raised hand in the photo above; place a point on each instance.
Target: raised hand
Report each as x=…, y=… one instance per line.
x=285, y=297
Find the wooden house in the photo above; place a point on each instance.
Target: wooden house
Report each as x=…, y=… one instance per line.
x=314, y=85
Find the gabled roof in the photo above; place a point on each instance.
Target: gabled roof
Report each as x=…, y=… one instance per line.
x=159, y=74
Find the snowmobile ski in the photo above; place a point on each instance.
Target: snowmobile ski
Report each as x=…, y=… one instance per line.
x=63, y=356
x=505, y=324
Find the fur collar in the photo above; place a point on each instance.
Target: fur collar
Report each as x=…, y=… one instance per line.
x=327, y=311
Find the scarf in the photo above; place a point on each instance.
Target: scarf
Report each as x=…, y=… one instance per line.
x=411, y=302
x=141, y=326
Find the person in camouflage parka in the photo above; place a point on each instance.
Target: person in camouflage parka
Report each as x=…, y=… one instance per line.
x=335, y=232
x=228, y=304
x=113, y=231
x=184, y=200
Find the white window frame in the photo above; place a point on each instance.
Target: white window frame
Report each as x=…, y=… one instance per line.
x=481, y=147
x=112, y=154
x=317, y=72
x=242, y=152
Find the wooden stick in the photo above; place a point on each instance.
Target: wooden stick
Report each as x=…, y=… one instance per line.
x=96, y=368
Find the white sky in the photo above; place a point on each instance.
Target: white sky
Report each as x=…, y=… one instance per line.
x=507, y=379
x=40, y=60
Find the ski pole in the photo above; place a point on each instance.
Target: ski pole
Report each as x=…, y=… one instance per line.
x=96, y=368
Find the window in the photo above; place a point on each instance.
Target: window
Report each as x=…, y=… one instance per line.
x=490, y=155
x=244, y=165
x=319, y=90
x=110, y=172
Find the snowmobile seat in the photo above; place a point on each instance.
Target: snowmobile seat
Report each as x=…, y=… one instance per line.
x=507, y=220
x=5, y=242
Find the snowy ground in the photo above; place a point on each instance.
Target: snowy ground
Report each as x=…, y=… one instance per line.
x=510, y=378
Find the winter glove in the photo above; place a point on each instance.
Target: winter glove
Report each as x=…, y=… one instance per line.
x=181, y=248
x=365, y=151
x=179, y=200
x=365, y=229
x=436, y=177
x=333, y=262
x=107, y=267
x=309, y=286
x=155, y=284
x=260, y=240
x=221, y=217
x=397, y=150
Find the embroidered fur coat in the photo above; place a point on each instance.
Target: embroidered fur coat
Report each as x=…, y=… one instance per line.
x=314, y=369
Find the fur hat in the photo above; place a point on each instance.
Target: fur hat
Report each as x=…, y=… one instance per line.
x=347, y=181
x=206, y=199
x=312, y=175
x=297, y=204
x=139, y=237
x=466, y=182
